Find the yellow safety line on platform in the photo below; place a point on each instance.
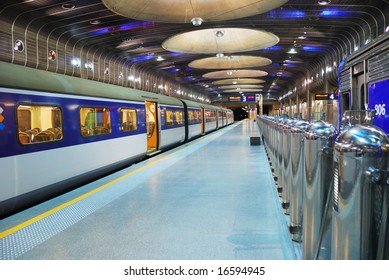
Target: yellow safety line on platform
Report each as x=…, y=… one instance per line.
x=86, y=195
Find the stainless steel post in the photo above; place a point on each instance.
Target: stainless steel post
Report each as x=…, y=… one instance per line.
x=360, y=163
x=318, y=171
x=296, y=186
x=287, y=170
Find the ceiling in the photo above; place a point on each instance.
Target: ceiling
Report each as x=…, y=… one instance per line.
x=313, y=39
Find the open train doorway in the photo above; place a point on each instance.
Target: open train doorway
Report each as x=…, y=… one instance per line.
x=152, y=127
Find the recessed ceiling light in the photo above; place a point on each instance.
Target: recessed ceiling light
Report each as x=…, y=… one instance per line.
x=52, y=55
x=19, y=46
x=68, y=6
x=197, y=21
x=219, y=33
x=323, y=2
x=95, y=21
x=292, y=51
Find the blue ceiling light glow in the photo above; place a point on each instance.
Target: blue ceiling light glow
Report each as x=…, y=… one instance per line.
x=284, y=14
x=101, y=31
x=273, y=48
x=174, y=70
x=175, y=53
x=334, y=13
x=134, y=25
x=313, y=48
x=143, y=58
x=124, y=27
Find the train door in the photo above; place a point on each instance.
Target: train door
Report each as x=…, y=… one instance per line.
x=358, y=93
x=217, y=120
x=202, y=121
x=152, y=126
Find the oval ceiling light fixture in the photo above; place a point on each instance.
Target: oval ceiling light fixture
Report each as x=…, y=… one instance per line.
x=206, y=41
x=239, y=81
x=185, y=11
x=230, y=62
x=235, y=74
x=240, y=90
x=324, y=2
x=68, y=6
x=240, y=86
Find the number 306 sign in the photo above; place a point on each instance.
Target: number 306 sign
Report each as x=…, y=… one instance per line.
x=378, y=98
x=380, y=109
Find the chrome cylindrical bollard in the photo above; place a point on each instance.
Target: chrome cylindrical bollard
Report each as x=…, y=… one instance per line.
x=318, y=172
x=296, y=186
x=360, y=166
x=286, y=166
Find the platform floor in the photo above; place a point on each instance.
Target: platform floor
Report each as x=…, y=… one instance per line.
x=211, y=199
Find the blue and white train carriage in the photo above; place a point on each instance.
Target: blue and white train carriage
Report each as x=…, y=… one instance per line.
x=58, y=132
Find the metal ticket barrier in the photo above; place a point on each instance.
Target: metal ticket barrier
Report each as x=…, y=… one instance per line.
x=318, y=167
x=296, y=179
x=360, y=194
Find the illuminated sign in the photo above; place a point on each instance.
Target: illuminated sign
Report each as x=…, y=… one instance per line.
x=234, y=98
x=2, y=126
x=326, y=96
x=250, y=98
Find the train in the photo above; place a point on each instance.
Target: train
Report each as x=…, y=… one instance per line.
x=363, y=79
x=59, y=132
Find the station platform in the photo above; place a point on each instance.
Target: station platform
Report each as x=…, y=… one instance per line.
x=211, y=199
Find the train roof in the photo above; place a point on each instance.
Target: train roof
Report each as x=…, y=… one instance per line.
x=21, y=77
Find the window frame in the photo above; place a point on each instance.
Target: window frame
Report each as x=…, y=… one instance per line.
x=182, y=117
x=121, y=119
x=39, y=104
x=168, y=123
x=94, y=107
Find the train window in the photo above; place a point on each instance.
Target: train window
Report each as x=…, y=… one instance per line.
x=169, y=118
x=210, y=116
x=95, y=121
x=179, y=114
x=128, y=119
x=42, y=123
x=191, y=117
x=197, y=115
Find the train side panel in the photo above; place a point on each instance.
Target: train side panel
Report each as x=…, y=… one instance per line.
x=210, y=121
x=172, y=126
x=82, y=152
x=38, y=170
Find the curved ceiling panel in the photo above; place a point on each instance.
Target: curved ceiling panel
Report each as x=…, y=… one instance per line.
x=220, y=40
x=183, y=11
x=230, y=62
x=235, y=74
x=127, y=51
